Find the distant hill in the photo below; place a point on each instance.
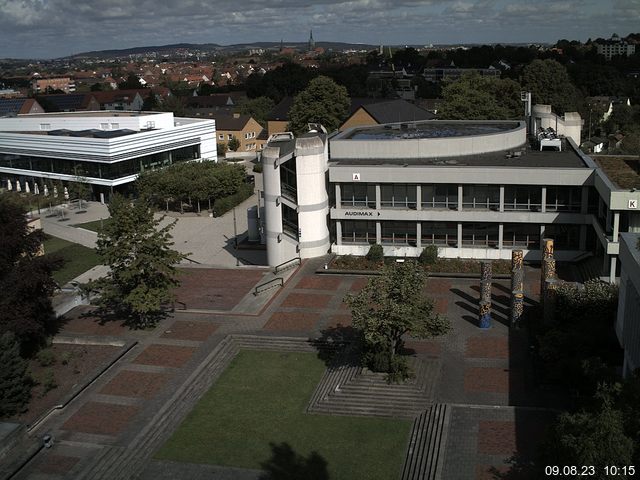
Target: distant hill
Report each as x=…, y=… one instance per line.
x=210, y=47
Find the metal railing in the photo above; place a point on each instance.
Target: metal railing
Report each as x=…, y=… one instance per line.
x=288, y=264
x=263, y=287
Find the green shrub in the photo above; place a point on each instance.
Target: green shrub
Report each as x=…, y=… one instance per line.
x=48, y=382
x=257, y=167
x=46, y=358
x=376, y=253
x=66, y=357
x=223, y=205
x=15, y=383
x=429, y=255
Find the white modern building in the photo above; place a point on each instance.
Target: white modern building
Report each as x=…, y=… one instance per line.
x=475, y=189
x=628, y=321
x=107, y=148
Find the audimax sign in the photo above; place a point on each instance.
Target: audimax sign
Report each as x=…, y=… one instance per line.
x=360, y=213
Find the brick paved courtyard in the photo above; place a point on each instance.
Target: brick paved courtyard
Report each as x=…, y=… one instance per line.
x=483, y=373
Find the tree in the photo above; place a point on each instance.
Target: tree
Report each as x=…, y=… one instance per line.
x=589, y=438
x=389, y=307
x=474, y=97
x=131, y=83
x=323, y=101
x=79, y=188
x=142, y=264
x=15, y=384
x=233, y=144
x=25, y=278
x=258, y=108
x=549, y=84
x=174, y=104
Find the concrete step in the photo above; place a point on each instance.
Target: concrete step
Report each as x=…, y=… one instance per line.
x=426, y=446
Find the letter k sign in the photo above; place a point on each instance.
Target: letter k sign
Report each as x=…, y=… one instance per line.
x=633, y=203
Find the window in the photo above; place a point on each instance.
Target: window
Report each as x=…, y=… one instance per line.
x=358, y=195
x=229, y=136
x=565, y=237
x=564, y=199
x=439, y=196
x=289, y=221
x=104, y=126
x=45, y=126
x=221, y=136
x=398, y=233
x=523, y=197
x=115, y=126
x=521, y=235
x=481, y=197
x=288, y=180
x=358, y=232
x=480, y=235
x=439, y=233
x=398, y=195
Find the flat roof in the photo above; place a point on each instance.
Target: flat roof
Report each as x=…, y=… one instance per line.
x=94, y=113
x=529, y=158
x=429, y=129
x=624, y=172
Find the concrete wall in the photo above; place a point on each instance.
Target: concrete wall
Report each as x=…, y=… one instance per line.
x=359, y=118
x=628, y=320
x=84, y=121
x=570, y=125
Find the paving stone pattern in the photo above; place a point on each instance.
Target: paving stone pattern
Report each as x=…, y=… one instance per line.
x=462, y=398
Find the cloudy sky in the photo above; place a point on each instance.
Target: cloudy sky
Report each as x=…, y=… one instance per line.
x=55, y=28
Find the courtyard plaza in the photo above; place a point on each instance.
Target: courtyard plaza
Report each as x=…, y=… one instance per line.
x=119, y=426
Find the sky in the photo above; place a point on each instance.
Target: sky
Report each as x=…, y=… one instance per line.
x=56, y=28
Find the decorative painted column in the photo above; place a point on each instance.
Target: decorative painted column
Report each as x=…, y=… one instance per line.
x=484, y=312
x=518, y=307
x=484, y=315
x=517, y=284
x=547, y=254
x=549, y=309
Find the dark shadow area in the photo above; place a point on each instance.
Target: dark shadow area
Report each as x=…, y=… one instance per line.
x=286, y=464
x=338, y=346
x=471, y=305
x=233, y=245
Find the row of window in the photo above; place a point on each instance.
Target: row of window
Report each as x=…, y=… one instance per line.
x=445, y=196
x=445, y=234
x=108, y=171
x=247, y=136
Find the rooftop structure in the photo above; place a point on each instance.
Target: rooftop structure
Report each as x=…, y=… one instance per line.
x=108, y=149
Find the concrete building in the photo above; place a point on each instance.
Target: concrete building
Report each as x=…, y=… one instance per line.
x=615, y=46
x=108, y=149
x=42, y=85
x=628, y=321
x=475, y=189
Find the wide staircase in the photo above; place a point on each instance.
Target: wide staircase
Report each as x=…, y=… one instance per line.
x=425, y=455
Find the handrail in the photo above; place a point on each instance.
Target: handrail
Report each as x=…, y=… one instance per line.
x=257, y=290
x=285, y=265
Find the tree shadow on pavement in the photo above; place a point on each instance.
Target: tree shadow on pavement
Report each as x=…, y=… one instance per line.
x=337, y=346
x=286, y=464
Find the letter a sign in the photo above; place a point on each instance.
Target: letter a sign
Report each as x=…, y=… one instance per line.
x=356, y=177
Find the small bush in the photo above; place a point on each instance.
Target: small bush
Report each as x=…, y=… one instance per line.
x=48, y=382
x=429, y=255
x=65, y=357
x=376, y=253
x=257, y=167
x=46, y=358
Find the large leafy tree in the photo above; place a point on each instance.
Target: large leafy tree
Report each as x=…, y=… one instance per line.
x=550, y=84
x=323, y=101
x=25, y=278
x=15, y=384
x=142, y=264
x=391, y=306
x=474, y=97
x=258, y=108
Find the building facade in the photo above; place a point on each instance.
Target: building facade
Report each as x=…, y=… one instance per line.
x=107, y=149
x=473, y=189
x=628, y=320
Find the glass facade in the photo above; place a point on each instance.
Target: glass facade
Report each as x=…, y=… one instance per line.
x=564, y=199
x=289, y=181
x=109, y=171
x=523, y=197
x=399, y=233
x=398, y=195
x=480, y=235
x=483, y=197
x=358, y=232
x=565, y=237
x=443, y=234
x=439, y=196
x=358, y=195
x=289, y=221
x=521, y=235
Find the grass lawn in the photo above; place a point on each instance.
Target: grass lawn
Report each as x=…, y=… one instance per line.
x=261, y=399
x=93, y=226
x=78, y=259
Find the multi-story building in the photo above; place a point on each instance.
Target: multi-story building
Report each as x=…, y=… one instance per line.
x=451, y=74
x=107, y=149
x=44, y=85
x=242, y=127
x=615, y=46
x=628, y=320
x=475, y=189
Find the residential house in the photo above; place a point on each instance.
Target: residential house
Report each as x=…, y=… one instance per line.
x=72, y=102
x=243, y=127
x=120, y=100
x=19, y=106
x=42, y=85
x=211, y=105
x=379, y=111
